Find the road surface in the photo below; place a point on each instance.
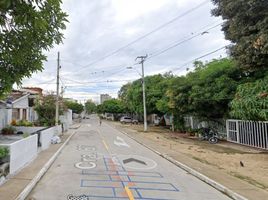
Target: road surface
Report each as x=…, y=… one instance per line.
x=99, y=162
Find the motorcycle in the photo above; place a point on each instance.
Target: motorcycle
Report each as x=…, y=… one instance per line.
x=209, y=134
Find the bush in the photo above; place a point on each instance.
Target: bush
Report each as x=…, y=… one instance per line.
x=13, y=122
x=9, y=130
x=24, y=123
x=3, y=152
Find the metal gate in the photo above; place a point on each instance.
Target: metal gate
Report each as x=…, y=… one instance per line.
x=250, y=133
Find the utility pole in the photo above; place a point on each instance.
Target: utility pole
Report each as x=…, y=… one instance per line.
x=57, y=96
x=142, y=58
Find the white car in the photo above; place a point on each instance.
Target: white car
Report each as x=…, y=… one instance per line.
x=126, y=119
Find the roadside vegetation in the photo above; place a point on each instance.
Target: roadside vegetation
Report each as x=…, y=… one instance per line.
x=232, y=87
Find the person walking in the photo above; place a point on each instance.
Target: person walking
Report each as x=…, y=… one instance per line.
x=100, y=121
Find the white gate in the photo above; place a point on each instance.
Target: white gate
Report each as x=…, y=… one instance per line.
x=250, y=133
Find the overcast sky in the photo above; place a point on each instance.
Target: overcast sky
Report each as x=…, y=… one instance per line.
x=103, y=38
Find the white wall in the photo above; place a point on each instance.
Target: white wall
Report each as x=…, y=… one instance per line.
x=22, y=152
x=45, y=137
x=2, y=118
x=21, y=103
x=5, y=117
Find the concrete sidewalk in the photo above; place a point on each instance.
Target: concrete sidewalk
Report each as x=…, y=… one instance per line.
x=17, y=183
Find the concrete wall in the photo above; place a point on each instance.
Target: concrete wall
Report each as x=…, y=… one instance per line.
x=5, y=117
x=22, y=152
x=66, y=119
x=2, y=118
x=45, y=137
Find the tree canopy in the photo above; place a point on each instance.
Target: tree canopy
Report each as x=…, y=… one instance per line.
x=246, y=26
x=251, y=101
x=111, y=106
x=27, y=29
x=74, y=106
x=90, y=107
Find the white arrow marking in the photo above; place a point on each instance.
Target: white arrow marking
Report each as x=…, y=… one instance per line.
x=120, y=142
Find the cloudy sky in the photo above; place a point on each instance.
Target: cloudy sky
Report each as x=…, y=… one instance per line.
x=103, y=38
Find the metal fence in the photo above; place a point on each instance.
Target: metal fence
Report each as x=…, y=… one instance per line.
x=250, y=133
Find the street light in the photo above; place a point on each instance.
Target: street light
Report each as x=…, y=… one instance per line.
x=143, y=89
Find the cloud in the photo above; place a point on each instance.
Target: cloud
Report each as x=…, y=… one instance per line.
x=99, y=27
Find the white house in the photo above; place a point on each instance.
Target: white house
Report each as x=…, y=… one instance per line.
x=18, y=106
x=5, y=115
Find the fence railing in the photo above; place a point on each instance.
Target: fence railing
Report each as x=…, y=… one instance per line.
x=250, y=133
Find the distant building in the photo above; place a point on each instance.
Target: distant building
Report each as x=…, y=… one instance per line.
x=104, y=97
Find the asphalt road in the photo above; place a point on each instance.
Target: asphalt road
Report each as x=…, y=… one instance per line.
x=100, y=163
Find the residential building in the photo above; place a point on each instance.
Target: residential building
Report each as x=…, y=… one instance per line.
x=104, y=97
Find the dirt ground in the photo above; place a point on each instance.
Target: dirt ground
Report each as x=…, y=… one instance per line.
x=223, y=156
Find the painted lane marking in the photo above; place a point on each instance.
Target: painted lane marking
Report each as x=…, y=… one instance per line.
x=90, y=166
x=134, y=160
x=129, y=193
x=106, y=146
x=120, y=142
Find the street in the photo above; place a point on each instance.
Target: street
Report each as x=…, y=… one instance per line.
x=100, y=162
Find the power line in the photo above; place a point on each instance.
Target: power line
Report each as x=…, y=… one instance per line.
x=147, y=34
x=182, y=41
x=89, y=82
x=205, y=55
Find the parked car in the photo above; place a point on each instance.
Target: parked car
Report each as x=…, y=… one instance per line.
x=125, y=120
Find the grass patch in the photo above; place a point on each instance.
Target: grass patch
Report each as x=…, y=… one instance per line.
x=249, y=180
x=201, y=160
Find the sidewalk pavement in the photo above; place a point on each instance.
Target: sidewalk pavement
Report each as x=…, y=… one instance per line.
x=238, y=186
x=11, y=189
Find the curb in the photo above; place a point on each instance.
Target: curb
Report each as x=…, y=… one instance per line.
x=191, y=171
x=26, y=191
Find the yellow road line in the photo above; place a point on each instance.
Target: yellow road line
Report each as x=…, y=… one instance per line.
x=129, y=193
x=106, y=146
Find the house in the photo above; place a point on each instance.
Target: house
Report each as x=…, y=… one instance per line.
x=5, y=114
x=19, y=105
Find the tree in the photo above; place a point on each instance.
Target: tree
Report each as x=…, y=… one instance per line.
x=74, y=106
x=131, y=94
x=114, y=106
x=251, y=101
x=213, y=88
x=246, y=26
x=46, y=110
x=206, y=92
x=27, y=29
x=90, y=106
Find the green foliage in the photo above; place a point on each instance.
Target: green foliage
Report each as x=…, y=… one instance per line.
x=90, y=107
x=111, y=106
x=27, y=30
x=8, y=130
x=212, y=88
x=132, y=97
x=246, y=26
x=4, y=152
x=251, y=101
x=24, y=123
x=74, y=106
x=46, y=110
